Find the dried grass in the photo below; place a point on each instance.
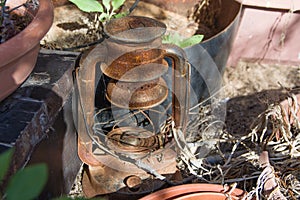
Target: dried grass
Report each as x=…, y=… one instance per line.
x=235, y=160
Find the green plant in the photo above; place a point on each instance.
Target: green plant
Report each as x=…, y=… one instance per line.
x=25, y=184
x=180, y=41
x=107, y=9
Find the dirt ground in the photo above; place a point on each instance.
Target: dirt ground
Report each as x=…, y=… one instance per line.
x=252, y=87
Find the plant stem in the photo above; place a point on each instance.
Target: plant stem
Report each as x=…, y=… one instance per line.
x=2, y=4
x=133, y=6
x=15, y=8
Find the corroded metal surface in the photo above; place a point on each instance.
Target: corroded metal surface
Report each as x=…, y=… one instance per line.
x=140, y=95
x=137, y=66
x=132, y=140
x=135, y=29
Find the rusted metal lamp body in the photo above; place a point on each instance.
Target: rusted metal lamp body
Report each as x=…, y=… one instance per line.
x=128, y=70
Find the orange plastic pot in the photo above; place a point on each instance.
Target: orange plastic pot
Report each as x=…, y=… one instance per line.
x=197, y=191
x=19, y=54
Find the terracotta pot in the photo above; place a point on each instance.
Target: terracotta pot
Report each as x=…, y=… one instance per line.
x=197, y=191
x=19, y=54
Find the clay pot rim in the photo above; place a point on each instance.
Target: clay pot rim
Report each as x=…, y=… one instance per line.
x=28, y=38
x=188, y=189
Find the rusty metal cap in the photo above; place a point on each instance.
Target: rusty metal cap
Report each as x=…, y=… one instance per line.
x=134, y=29
x=137, y=66
x=142, y=95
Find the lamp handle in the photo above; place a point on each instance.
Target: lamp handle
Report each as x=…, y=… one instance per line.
x=180, y=83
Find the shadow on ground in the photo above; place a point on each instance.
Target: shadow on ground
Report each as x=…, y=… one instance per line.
x=243, y=110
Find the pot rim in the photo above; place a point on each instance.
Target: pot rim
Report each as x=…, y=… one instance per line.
x=187, y=189
x=28, y=38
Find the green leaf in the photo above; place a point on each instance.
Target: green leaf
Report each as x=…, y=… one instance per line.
x=103, y=17
x=119, y=15
x=177, y=40
x=172, y=39
x=195, y=39
x=5, y=159
x=117, y=4
x=88, y=5
x=166, y=39
x=27, y=183
x=106, y=4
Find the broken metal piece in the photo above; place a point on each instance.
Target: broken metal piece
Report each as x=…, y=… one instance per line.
x=133, y=182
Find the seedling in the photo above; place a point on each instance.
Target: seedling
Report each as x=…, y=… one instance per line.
x=107, y=9
x=180, y=41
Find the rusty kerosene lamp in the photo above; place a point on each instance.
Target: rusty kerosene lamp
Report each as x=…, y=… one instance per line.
x=132, y=90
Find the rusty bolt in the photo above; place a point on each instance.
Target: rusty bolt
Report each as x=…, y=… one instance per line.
x=133, y=182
